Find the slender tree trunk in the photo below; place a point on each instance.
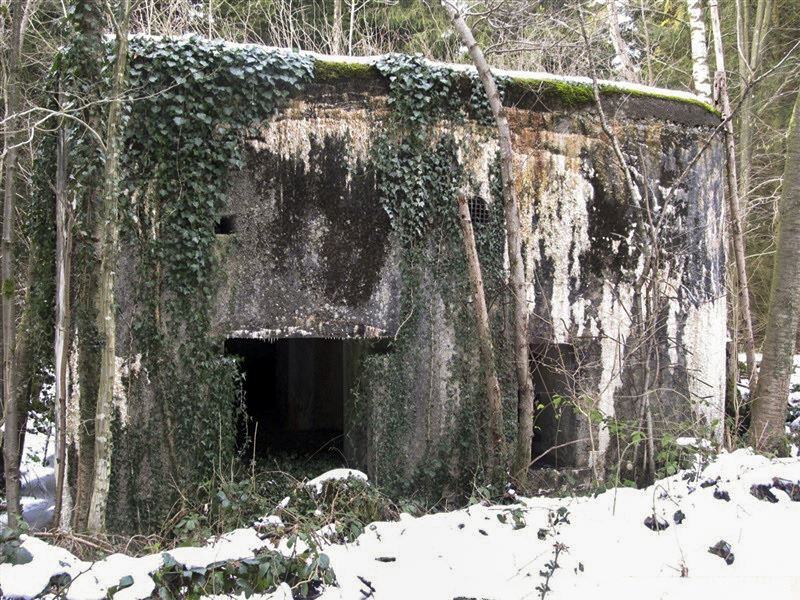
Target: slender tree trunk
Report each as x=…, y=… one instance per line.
x=797, y=340
x=336, y=34
x=522, y=455
x=621, y=49
x=496, y=434
x=733, y=198
x=648, y=53
x=750, y=60
x=700, y=72
x=769, y=405
x=63, y=265
x=88, y=58
x=351, y=27
x=108, y=234
x=11, y=139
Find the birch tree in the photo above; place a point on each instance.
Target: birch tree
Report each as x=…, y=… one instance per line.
x=12, y=139
x=62, y=329
x=108, y=238
x=701, y=78
x=336, y=29
x=621, y=49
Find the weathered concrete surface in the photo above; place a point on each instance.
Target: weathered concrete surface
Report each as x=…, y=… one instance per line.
x=313, y=254
x=586, y=279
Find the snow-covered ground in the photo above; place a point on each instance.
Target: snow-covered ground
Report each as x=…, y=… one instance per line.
x=721, y=541
x=37, y=480
x=502, y=552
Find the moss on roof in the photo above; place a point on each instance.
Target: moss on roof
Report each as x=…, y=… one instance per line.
x=520, y=89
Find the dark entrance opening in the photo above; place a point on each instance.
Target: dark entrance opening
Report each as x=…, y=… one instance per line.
x=555, y=423
x=298, y=394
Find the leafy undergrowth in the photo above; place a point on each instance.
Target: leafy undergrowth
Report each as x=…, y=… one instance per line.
x=305, y=573
x=292, y=517
x=276, y=486
x=289, y=522
x=340, y=507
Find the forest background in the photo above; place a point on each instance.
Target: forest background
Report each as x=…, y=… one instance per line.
x=653, y=42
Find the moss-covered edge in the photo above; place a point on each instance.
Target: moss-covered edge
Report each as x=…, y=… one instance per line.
x=331, y=71
x=618, y=90
x=564, y=94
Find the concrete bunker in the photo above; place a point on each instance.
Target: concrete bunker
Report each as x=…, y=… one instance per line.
x=318, y=269
x=318, y=263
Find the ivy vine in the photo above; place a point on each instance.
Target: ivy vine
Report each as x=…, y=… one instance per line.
x=192, y=101
x=421, y=93
x=419, y=176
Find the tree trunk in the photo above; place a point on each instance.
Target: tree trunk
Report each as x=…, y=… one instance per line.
x=63, y=262
x=620, y=47
x=496, y=447
x=336, y=34
x=733, y=198
x=108, y=236
x=11, y=139
x=769, y=404
x=797, y=341
x=750, y=60
x=88, y=57
x=700, y=74
x=351, y=27
x=522, y=455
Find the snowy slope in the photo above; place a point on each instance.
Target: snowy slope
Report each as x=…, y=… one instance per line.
x=470, y=553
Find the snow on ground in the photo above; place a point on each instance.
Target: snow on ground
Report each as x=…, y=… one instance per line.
x=37, y=480
x=470, y=553
x=502, y=552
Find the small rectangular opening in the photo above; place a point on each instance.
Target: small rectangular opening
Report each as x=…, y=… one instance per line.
x=225, y=225
x=555, y=422
x=298, y=394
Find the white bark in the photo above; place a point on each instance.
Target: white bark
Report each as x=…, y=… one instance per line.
x=63, y=261
x=108, y=250
x=336, y=34
x=10, y=394
x=697, y=28
x=621, y=49
x=351, y=27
